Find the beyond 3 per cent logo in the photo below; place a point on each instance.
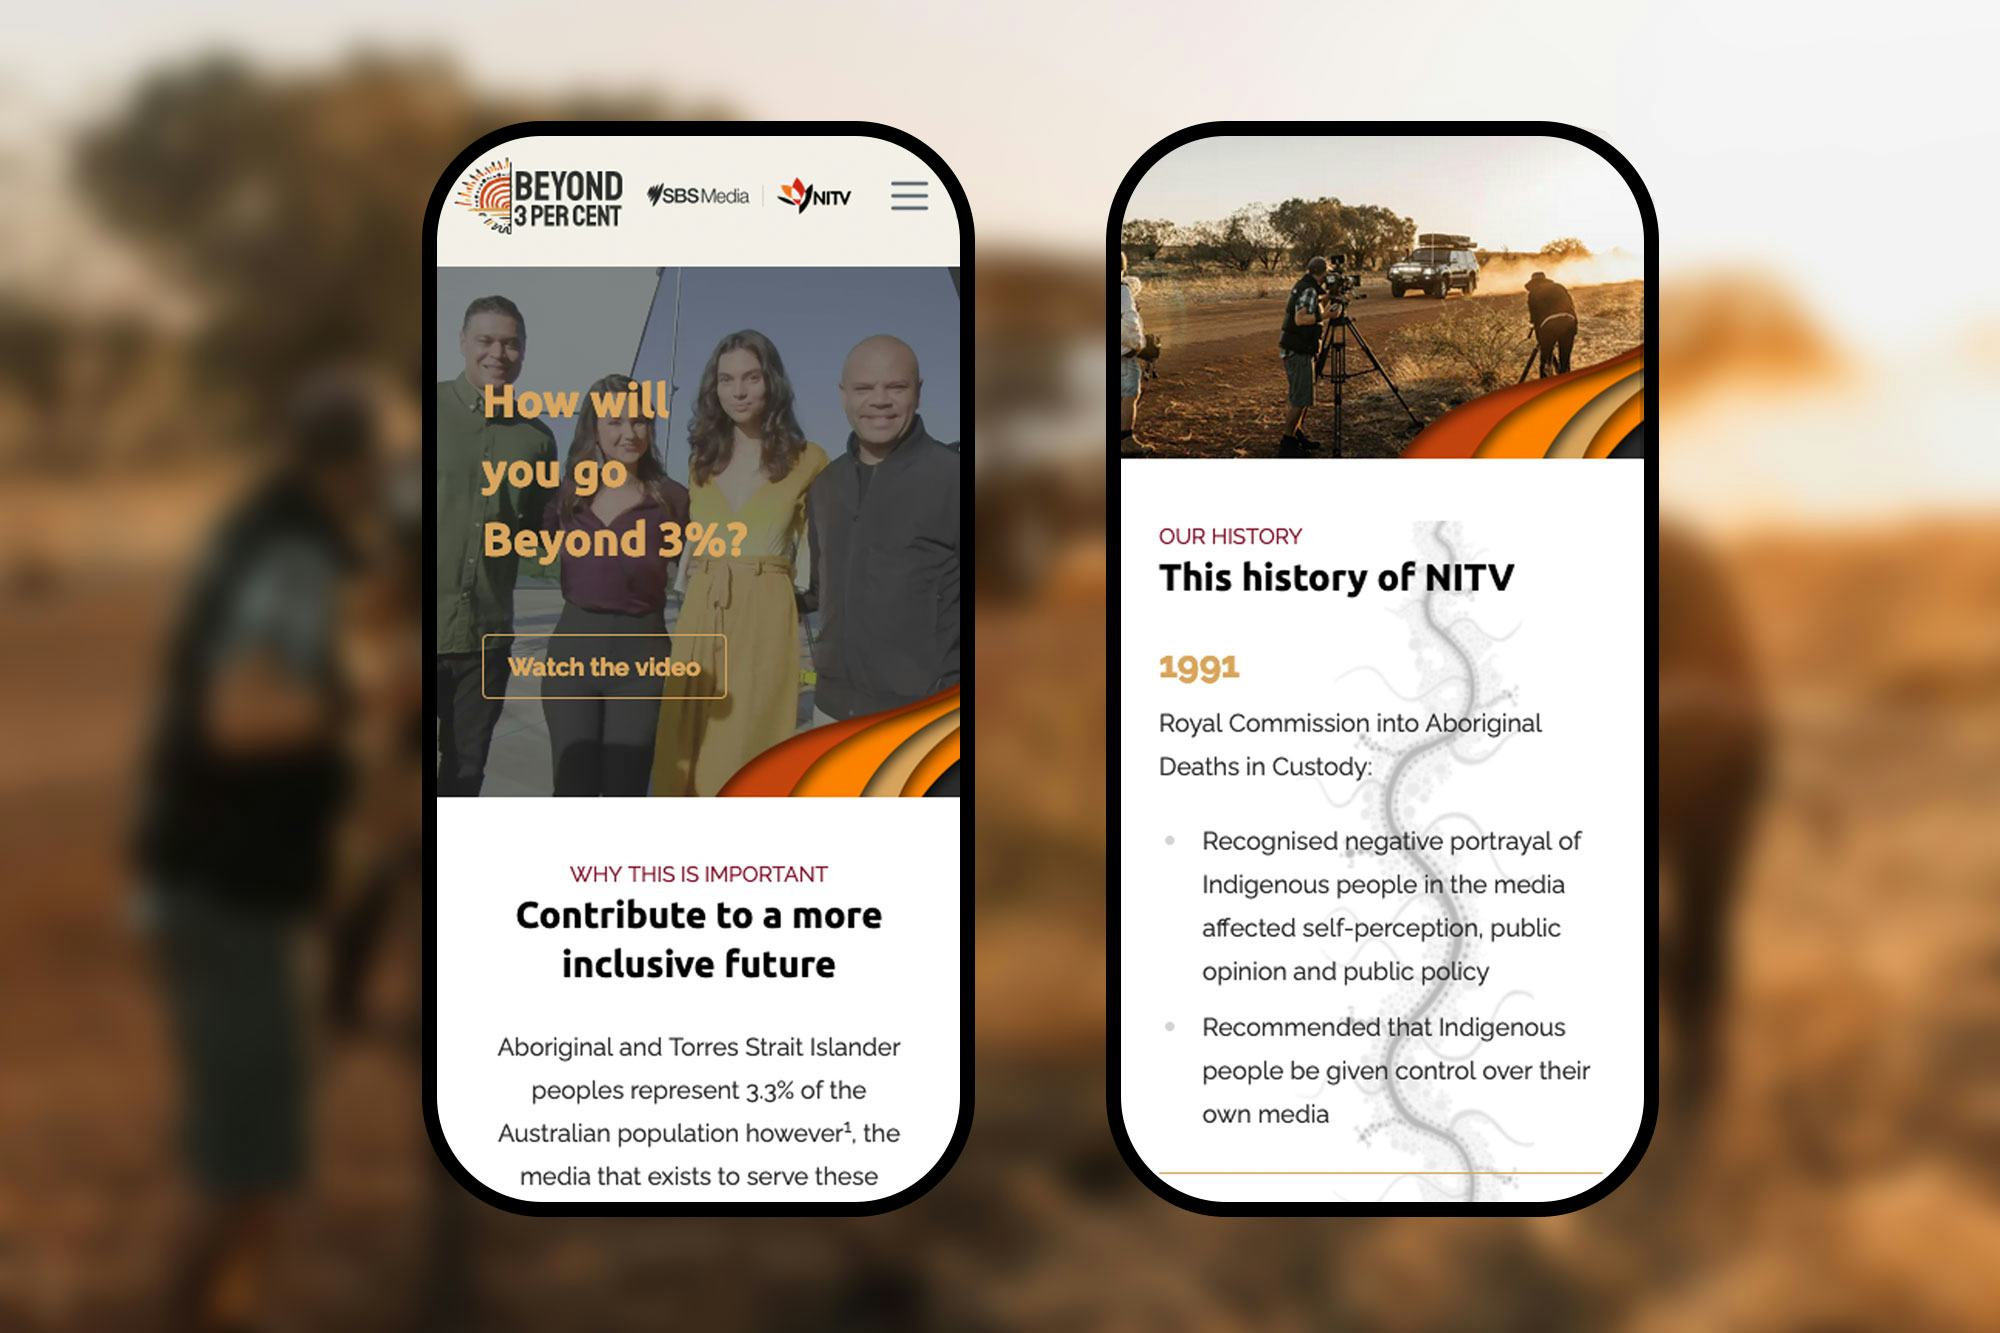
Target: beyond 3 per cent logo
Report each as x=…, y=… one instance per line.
x=504, y=198
x=800, y=195
x=489, y=193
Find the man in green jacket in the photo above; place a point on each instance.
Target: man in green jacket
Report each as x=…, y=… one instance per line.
x=475, y=591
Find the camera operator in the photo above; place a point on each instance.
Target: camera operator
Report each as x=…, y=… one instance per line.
x=1298, y=344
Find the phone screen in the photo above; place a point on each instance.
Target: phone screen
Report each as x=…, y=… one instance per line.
x=1382, y=523
x=699, y=406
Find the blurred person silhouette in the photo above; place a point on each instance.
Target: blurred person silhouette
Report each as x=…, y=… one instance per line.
x=884, y=536
x=475, y=591
x=374, y=923
x=601, y=744
x=381, y=862
x=1552, y=316
x=245, y=785
x=1714, y=761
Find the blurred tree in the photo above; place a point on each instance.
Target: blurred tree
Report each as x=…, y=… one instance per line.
x=1567, y=247
x=296, y=203
x=1378, y=236
x=1263, y=235
x=1402, y=239
x=1198, y=241
x=1143, y=237
x=1237, y=236
x=1374, y=235
x=1311, y=226
x=30, y=343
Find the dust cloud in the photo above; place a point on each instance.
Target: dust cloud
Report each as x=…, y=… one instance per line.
x=1504, y=272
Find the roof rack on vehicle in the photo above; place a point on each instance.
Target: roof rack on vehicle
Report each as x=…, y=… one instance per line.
x=1444, y=240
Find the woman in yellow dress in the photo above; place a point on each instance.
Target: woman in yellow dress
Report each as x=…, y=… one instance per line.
x=749, y=463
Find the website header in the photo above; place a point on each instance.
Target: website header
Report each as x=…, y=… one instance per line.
x=561, y=200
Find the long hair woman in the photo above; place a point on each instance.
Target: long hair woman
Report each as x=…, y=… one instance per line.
x=602, y=727
x=750, y=465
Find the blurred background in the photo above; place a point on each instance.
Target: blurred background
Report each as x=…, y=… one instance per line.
x=203, y=206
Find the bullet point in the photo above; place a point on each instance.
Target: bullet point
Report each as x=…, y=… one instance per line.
x=1170, y=1027
x=1170, y=840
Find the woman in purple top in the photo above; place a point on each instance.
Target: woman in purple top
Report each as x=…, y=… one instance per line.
x=601, y=728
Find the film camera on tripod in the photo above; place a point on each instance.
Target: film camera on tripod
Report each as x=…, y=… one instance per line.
x=1340, y=285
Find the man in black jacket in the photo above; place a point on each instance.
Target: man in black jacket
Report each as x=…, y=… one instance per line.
x=884, y=530
x=1298, y=343
x=1552, y=313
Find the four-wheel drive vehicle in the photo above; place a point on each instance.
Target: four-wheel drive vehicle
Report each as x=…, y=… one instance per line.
x=1439, y=263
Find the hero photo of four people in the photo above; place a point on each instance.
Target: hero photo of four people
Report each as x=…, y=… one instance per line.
x=869, y=539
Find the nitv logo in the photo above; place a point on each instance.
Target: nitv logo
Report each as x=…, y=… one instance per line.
x=799, y=194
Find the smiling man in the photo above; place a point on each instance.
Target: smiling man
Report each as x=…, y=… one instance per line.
x=885, y=545
x=475, y=591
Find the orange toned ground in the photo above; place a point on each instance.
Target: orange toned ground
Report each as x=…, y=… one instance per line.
x=1855, y=1152
x=1854, y=1156
x=1221, y=388
x=1853, y=1177
x=1857, y=1111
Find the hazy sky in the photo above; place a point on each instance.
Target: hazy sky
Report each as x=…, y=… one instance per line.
x=1773, y=133
x=1512, y=193
x=1777, y=135
x=1829, y=147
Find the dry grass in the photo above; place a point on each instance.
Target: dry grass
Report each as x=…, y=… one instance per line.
x=1207, y=284
x=1476, y=345
x=1480, y=345
x=1221, y=401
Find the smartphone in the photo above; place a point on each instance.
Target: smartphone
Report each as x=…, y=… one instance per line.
x=695, y=491
x=1382, y=519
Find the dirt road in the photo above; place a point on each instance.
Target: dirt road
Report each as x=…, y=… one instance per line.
x=1865, y=977
x=1187, y=324
x=1220, y=392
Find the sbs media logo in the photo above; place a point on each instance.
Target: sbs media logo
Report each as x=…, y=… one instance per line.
x=693, y=194
x=799, y=195
x=489, y=193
